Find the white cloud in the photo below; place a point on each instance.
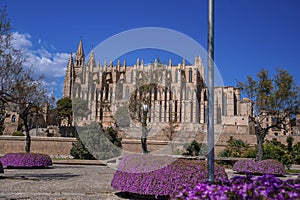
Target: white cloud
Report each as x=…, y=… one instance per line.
x=42, y=62
x=51, y=65
x=21, y=41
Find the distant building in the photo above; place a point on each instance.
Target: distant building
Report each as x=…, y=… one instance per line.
x=13, y=122
x=180, y=94
x=292, y=125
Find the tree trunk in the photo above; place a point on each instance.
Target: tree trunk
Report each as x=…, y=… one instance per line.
x=28, y=138
x=24, y=116
x=28, y=142
x=260, y=136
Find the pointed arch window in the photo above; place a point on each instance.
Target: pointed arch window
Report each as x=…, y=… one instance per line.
x=190, y=75
x=127, y=92
x=13, y=119
x=224, y=104
x=131, y=76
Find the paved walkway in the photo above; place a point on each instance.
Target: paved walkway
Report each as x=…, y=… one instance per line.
x=59, y=182
x=63, y=181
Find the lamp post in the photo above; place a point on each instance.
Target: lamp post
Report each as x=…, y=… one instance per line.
x=144, y=129
x=211, y=149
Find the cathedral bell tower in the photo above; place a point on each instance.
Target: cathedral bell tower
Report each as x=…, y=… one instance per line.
x=79, y=61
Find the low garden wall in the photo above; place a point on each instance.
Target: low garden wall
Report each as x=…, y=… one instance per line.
x=53, y=146
x=60, y=146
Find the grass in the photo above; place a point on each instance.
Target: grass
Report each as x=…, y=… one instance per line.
x=292, y=171
x=62, y=158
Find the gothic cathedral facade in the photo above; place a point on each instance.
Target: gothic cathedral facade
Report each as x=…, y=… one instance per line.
x=174, y=93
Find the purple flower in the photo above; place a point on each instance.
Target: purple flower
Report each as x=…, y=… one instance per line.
x=26, y=160
x=141, y=174
x=249, y=187
x=259, y=167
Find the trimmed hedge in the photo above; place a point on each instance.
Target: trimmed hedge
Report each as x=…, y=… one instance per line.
x=259, y=167
x=136, y=174
x=26, y=160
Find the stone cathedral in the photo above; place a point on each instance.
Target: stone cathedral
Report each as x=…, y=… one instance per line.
x=178, y=93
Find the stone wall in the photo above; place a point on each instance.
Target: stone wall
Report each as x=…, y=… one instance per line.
x=60, y=146
x=53, y=146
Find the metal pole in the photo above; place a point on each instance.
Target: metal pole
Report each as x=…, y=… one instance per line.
x=210, y=50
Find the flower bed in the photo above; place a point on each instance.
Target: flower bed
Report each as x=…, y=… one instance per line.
x=26, y=160
x=163, y=181
x=264, y=187
x=259, y=167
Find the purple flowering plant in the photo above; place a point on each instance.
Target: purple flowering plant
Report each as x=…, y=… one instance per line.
x=239, y=187
x=26, y=160
x=135, y=175
x=259, y=167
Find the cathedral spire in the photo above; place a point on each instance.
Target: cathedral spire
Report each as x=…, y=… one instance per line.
x=80, y=48
x=92, y=61
x=69, y=78
x=70, y=63
x=80, y=55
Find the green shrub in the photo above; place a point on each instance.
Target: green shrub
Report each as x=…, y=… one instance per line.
x=251, y=152
x=78, y=151
x=195, y=149
x=277, y=151
x=296, y=153
x=235, y=148
x=18, y=133
x=96, y=143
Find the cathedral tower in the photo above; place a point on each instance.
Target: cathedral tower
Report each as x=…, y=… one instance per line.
x=79, y=61
x=69, y=78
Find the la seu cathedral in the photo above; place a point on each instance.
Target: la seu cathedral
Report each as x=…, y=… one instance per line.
x=173, y=93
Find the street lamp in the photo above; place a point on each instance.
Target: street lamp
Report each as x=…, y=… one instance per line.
x=210, y=140
x=144, y=129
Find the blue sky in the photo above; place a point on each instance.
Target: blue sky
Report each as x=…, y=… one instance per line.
x=249, y=34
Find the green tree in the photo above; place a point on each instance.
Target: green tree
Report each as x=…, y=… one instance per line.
x=64, y=109
x=276, y=97
x=70, y=108
x=80, y=108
